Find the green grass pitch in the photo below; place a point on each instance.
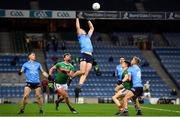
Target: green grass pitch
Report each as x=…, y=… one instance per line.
x=88, y=110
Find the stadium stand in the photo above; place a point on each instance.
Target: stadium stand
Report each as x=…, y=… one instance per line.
x=96, y=86
x=11, y=85
x=173, y=39
x=128, y=38
x=103, y=86
x=170, y=59
x=11, y=63
x=12, y=91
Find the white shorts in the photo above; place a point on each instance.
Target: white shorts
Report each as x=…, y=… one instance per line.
x=60, y=86
x=124, y=91
x=147, y=94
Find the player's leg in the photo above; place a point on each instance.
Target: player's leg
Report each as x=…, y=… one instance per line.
x=117, y=101
x=39, y=98
x=65, y=96
x=128, y=96
x=27, y=91
x=149, y=95
x=137, y=95
x=84, y=76
x=59, y=100
x=117, y=88
x=137, y=107
x=82, y=69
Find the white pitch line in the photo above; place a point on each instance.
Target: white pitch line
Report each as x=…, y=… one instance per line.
x=160, y=109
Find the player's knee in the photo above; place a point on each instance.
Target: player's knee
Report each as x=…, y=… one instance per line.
x=125, y=99
x=114, y=97
x=115, y=90
x=38, y=96
x=65, y=96
x=25, y=96
x=82, y=72
x=66, y=99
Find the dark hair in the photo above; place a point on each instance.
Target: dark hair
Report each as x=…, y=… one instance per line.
x=30, y=53
x=66, y=54
x=128, y=63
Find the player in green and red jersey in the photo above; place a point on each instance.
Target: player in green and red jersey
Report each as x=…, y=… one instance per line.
x=64, y=71
x=125, y=86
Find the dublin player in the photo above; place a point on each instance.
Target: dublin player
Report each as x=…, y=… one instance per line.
x=119, y=72
x=134, y=72
x=64, y=71
x=31, y=69
x=86, y=58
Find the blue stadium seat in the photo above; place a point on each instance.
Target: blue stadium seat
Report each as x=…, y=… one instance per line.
x=170, y=59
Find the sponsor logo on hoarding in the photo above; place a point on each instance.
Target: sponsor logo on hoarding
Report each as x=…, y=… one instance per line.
x=64, y=14
x=17, y=13
x=41, y=14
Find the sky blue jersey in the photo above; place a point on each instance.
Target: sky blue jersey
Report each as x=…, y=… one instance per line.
x=31, y=70
x=119, y=71
x=85, y=43
x=135, y=73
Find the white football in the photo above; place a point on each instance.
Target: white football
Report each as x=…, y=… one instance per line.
x=96, y=6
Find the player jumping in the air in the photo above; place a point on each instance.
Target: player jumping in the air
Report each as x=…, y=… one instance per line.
x=86, y=59
x=134, y=72
x=31, y=69
x=64, y=71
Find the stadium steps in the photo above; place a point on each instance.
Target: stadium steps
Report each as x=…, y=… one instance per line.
x=155, y=63
x=159, y=40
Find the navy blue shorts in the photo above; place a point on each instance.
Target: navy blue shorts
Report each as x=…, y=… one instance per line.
x=137, y=91
x=33, y=85
x=86, y=57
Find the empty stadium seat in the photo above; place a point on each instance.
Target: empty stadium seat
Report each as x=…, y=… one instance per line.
x=170, y=59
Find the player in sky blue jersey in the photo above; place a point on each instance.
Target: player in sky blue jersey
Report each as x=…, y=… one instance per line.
x=86, y=58
x=136, y=91
x=31, y=69
x=119, y=71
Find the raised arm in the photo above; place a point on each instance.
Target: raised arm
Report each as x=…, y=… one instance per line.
x=91, y=28
x=78, y=28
